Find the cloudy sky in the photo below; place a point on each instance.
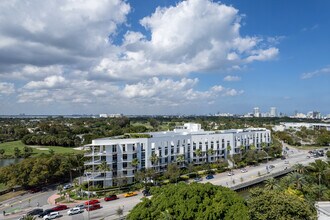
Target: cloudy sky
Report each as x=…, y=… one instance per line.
x=163, y=56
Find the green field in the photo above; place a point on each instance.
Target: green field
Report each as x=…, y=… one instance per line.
x=9, y=148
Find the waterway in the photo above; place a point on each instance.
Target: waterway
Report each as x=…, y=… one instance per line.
x=6, y=162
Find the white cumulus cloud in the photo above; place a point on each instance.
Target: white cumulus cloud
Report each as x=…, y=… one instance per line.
x=192, y=36
x=7, y=88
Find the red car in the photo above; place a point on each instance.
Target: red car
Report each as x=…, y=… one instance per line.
x=93, y=207
x=111, y=197
x=92, y=202
x=59, y=208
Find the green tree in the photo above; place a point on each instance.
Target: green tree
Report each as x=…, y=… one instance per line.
x=198, y=153
x=180, y=159
x=299, y=168
x=318, y=170
x=104, y=168
x=191, y=201
x=17, y=152
x=154, y=159
x=2, y=152
x=278, y=205
x=271, y=184
x=27, y=151
x=135, y=162
x=29, y=217
x=172, y=172
x=209, y=152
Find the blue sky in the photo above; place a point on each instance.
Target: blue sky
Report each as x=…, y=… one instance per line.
x=164, y=57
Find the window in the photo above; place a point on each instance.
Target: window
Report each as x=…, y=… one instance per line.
x=133, y=147
x=114, y=158
x=114, y=148
x=142, y=147
x=125, y=172
x=124, y=147
x=124, y=156
x=124, y=165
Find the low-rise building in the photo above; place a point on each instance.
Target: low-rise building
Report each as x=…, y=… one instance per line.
x=156, y=150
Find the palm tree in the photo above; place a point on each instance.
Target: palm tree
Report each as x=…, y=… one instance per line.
x=252, y=147
x=180, y=159
x=104, y=167
x=271, y=184
x=209, y=152
x=297, y=180
x=241, y=149
x=154, y=158
x=29, y=217
x=299, y=168
x=198, y=153
x=135, y=162
x=318, y=169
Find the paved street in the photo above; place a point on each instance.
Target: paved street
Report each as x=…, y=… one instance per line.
x=108, y=210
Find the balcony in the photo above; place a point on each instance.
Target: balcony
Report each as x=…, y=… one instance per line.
x=91, y=154
x=95, y=162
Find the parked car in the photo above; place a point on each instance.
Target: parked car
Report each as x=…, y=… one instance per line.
x=130, y=194
x=243, y=170
x=210, y=176
x=52, y=215
x=93, y=207
x=198, y=179
x=67, y=186
x=271, y=166
x=75, y=210
x=111, y=197
x=35, y=212
x=35, y=190
x=45, y=212
x=92, y=202
x=146, y=192
x=60, y=208
x=81, y=206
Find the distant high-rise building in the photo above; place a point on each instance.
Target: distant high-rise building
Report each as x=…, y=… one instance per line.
x=273, y=112
x=256, y=112
x=314, y=115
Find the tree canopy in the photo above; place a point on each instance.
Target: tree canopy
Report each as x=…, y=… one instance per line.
x=193, y=201
x=277, y=205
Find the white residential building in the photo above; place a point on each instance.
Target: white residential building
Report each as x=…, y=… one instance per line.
x=168, y=145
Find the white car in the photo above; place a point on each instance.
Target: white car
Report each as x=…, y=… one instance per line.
x=52, y=215
x=75, y=210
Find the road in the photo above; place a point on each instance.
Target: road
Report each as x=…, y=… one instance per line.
x=108, y=211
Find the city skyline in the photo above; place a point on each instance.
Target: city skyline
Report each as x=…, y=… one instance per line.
x=164, y=57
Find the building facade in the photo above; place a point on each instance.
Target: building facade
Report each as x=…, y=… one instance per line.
x=158, y=149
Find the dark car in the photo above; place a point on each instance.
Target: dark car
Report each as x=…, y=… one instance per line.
x=46, y=212
x=93, y=207
x=210, y=176
x=35, y=212
x=59, y=208
x=110, y=198
x=35, y=190
x=146, y=192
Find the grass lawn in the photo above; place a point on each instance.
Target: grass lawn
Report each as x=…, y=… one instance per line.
x=9, y=148
x=11, y=195
x=2, y=186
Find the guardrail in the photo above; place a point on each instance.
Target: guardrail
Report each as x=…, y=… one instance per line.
x=260, y=179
